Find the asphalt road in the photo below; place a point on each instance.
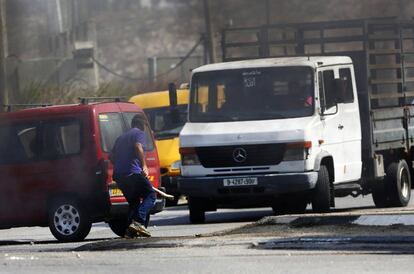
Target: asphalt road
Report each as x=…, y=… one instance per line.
x=34, y=250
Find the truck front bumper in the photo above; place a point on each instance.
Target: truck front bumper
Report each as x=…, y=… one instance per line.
x=267, y=185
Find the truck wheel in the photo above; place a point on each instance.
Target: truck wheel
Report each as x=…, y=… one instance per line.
x=68, y=220
x=119, y=225
x=321, y=198
x=197, y=212
x=395, y=189
x=398, y=183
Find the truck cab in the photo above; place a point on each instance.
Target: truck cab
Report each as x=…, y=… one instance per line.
x=276, y=132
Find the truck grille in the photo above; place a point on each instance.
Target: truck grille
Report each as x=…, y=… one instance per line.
x=255, y=155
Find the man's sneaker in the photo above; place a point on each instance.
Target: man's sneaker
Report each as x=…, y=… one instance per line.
x=139, y=228
x=129, y=234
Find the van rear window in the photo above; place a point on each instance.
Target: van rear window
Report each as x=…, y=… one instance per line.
x=112, y=125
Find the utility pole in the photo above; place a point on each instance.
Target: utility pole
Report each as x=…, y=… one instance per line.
x=210, y=33
x=59, y=16
x=4, y=95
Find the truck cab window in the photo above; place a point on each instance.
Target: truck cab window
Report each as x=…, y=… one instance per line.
x=348, y=96
x=328, y=88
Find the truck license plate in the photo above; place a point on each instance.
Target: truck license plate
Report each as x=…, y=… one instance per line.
x=240, y=182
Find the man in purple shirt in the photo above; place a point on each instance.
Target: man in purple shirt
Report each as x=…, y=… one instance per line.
x=130, y=173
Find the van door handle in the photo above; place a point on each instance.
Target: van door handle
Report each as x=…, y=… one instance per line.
x=340, y=127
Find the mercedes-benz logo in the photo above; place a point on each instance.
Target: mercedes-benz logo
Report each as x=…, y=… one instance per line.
x=239, y=155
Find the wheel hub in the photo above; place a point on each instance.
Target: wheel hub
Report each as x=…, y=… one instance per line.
x=404, y=183
x=66, y=219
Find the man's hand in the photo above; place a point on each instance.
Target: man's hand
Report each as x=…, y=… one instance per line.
x=145, y=171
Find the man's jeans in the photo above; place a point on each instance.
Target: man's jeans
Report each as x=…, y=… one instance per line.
x=136, y=187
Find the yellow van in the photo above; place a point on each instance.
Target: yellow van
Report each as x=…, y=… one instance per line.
x=156, y=106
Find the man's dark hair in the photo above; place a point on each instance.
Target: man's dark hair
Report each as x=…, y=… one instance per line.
x=138, y=122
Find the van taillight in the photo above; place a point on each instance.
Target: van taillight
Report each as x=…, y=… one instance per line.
x=102, y=173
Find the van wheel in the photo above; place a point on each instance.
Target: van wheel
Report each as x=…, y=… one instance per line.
x=119, y=225
x=395, y=189
x=321, y=198
x=197, y=212
x=68, y=220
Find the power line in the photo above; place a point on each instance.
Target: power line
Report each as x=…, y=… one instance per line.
x=185, y=58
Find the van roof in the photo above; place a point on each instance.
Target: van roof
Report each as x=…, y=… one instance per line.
x=313, y=61
x=159, y=99
x=58, y=109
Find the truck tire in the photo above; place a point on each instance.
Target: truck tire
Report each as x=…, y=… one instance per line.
x=398, y=183
x=197, y=211
x=395, y=189
x=68, y=219
x=119, y=225
x=321, y=196
x=290, y=204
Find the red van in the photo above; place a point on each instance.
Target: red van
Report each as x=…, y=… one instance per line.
x=55, y=171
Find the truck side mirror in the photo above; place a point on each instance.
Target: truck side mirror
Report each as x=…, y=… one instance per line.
x=174, y=112
x=172, y=92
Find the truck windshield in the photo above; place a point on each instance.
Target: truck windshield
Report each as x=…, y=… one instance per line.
x=162, y=123
x=252, y=94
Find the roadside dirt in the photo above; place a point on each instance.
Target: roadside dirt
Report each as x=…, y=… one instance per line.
x=315, y=226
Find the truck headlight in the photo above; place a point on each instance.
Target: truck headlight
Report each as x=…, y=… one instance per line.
x=297, y=151
x=189, y=156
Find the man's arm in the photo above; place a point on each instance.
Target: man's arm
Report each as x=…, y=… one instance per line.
x=140, y=152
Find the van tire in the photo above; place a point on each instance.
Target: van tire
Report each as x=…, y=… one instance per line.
x=196, y=210
x=321, y=196
x=68, y=220
x=119, y=225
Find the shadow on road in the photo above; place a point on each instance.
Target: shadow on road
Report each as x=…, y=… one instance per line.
x=234, y=216
x=214, y=217
x=364, y=244
x=39, y=242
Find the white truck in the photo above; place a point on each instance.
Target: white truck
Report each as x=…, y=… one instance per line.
x=329, y=116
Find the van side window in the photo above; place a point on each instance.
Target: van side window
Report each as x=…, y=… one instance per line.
x=39, y=141
x=18, y=143
x=111, y=127
x=348, y=96
x=60, y=139
x=329, y=88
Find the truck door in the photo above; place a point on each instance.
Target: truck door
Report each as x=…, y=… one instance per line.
x=350, y=126
x=332, y=122
x=341, y=123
